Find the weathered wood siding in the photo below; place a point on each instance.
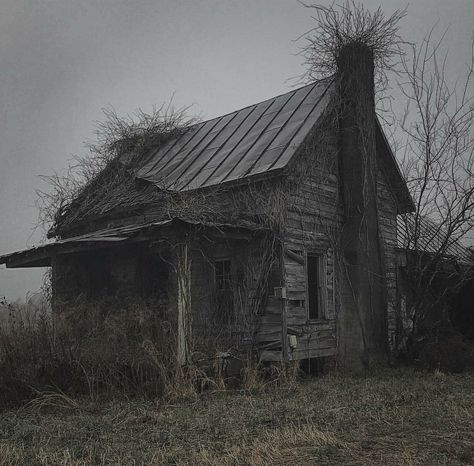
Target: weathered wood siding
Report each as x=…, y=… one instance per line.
x=252, y=277
x=312, y=217
x=313, y=223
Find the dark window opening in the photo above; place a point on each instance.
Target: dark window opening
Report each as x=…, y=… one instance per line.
x=313, y=264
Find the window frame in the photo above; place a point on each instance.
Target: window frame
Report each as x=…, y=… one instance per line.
x=224, y=297
x=322, y=294
x=225, y=279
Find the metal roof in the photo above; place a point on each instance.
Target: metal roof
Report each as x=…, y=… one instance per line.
x=254, y=140
x=424, y=235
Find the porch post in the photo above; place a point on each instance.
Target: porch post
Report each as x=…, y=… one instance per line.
x=184, y=302
x=284, y=306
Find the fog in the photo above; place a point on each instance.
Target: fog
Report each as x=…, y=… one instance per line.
x=62, y=61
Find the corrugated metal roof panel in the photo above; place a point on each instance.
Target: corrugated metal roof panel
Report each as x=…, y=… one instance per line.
x=423, y=235
x=247, y=142
x=224, y=156
x=300, y=130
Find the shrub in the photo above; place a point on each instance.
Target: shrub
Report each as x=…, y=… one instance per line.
x=98, y=348
x=450, y=353
x=111, y=347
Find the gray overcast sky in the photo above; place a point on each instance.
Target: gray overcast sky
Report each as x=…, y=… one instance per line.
x=64, y=60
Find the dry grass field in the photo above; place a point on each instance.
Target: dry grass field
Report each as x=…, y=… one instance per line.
x=395, y=416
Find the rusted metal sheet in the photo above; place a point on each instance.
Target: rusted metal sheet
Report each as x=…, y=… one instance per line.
x=250, y=141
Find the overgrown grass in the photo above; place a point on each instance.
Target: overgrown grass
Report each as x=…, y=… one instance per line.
x=108, y=397
x=104, y=348
x=396, y=416
x=109, y=349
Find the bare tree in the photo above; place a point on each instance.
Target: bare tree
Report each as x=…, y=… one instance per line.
x=120, y=142
x=438, y=161
x=348, y=23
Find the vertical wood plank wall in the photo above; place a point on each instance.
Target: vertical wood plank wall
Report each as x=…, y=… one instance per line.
x=314, y=217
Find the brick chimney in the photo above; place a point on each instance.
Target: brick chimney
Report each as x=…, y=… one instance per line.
x=363, y=335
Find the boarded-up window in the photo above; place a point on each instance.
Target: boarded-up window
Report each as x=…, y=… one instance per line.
x=316, y=290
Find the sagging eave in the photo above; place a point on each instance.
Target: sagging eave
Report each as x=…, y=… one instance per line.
x=142, y=209
x=42, y=256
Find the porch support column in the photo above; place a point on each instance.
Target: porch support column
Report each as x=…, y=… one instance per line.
x=183, y=269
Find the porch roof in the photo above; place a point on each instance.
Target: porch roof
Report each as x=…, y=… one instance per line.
x=40, y=256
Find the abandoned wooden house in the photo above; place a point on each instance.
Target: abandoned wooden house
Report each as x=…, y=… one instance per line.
x=272, y=229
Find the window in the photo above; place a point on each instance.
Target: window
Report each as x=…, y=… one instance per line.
x=223, y=276
x=316, y=291
x=224, y=296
